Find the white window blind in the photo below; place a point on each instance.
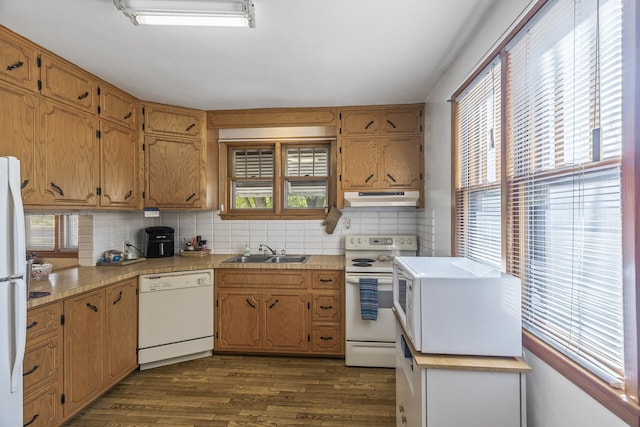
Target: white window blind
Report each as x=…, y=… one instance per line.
x=252, y=180
x=564, y=187
x=51, y=233
x=307, y=177
x=478, y=201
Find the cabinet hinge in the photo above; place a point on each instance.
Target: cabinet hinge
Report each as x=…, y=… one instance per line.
x=308, y=305
x=62, y=319
x=420, y=113
x=217, y=303
x=420, y=128
x=216, y=334
x=142, y=147
x=98, y=90
x=98, y=134
x=340, y=130
x=421, y=148
x=143, y=195
x=340, y=150
x=39, y=84
x=143, y=111
x=99, y=110
x=98, y=191
x=308, y=337
x=38, y=62
x=143, y=126
x=340, y=177
x=340, y=115
x=63, y=399
x=420, y=177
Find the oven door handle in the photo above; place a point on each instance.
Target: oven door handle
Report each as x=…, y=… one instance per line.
x=355, y=279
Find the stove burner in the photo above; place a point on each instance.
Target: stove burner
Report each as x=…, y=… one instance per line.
x=362, y=264
x=361, y=260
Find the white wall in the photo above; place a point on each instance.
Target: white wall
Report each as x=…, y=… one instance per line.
x=552, y=400
x=101, y=231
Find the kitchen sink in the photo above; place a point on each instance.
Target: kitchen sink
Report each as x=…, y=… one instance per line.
x=267, y=259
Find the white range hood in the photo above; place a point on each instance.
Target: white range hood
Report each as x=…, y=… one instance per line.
x=356, y=199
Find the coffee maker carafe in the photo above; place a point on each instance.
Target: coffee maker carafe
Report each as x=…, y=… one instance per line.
x=159, y=242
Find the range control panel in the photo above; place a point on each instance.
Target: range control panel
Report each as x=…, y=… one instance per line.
x=381, y=242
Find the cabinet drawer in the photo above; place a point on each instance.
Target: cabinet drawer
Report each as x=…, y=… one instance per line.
x=42, y=364
x=326, y=308
x=326, y=279
x=43, y=410
x=42, y=320
x=326, y=338
x=173, y=120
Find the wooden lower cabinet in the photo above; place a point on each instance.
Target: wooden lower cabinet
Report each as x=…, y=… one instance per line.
x=76, y=349
x=279, y=311
x=121, y=333
x=84, y=349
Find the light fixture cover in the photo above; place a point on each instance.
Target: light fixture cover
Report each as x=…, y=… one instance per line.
x=228, y=13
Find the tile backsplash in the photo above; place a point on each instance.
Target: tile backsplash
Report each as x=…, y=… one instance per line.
x=101, y=231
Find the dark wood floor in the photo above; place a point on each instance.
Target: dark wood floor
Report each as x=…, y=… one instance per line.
x=226, y=390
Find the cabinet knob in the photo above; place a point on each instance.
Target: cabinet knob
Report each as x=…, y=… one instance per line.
x=129, y=194
x=31, y=371
x=128, y=115
x=391, y=178
x=250, y=303
x=24, y=184
x=92, y=307
x=189, y=127
x=118, y=298
x=83, y=96
x=369, y=124
x=391, y=124
x=57, y=188
x=369, y=178
x=31, y=421
x=326, y=307
x=191, y=196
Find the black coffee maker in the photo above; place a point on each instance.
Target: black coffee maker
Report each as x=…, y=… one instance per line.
x=159, y=242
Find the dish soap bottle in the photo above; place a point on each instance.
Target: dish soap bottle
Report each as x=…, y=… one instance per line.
x=246, y=251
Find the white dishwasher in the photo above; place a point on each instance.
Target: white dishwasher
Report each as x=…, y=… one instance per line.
x=175, y=317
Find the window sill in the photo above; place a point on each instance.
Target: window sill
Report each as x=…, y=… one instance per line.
x=258, y=215
x=611, y=398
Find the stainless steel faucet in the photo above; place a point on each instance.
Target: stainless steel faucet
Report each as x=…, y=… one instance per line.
x=264, y=247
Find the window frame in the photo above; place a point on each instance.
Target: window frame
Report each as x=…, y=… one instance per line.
x=624, y=404
x=58, y=251
x=279, y=210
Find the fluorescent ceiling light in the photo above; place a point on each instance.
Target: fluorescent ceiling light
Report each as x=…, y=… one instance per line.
x=226, y=13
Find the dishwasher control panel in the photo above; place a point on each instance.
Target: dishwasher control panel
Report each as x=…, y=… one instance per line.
x=175, y=280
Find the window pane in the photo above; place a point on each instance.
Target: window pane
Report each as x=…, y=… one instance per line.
x=312, y=161
x=306, y=194
x=252, y=194
x=69, y=233
x=40, y=230
x=253, y=163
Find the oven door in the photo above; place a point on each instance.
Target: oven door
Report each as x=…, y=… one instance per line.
x=382, y=329
x=406, y=300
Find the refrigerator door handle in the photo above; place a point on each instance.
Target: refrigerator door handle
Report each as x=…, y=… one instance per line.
x=19, y=243
x=20, y=334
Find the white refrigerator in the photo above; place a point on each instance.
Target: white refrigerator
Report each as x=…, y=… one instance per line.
x=13, y=293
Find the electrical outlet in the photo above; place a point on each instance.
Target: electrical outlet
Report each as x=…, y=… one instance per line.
x=346, y=223
x=125, y=246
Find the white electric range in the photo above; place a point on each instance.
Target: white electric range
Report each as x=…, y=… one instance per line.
x=372, y=342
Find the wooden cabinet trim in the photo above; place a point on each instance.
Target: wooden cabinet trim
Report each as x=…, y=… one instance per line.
x=272, y=117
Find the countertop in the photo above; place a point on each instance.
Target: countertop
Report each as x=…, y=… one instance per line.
x=72, y=281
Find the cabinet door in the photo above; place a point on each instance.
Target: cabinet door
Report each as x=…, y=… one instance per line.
x=401, y=120
x=42, y=365
x=286, y=322
x=174, y=121
x=120, y=166
x=84, y=349
x=118, y=106
x=360, y=122
x=326, y=307
x=18, y=135
x=18, y=61
x=121, y=329
x=327, y=280
x=69, y=84
x=69, y=146
x=238, y=321
x=43, y=321
x=326, y=338
x=359, y=164
x=174, y=172
x=402, y=160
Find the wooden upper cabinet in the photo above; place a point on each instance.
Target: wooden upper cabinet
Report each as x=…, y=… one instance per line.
x=401, y=120
x=118, y=107
x=68, y=144
x=358, y=122
x=401, y=160
x=19, y=135
x=120, y=167
x=174, y=172
x=18, y=60
x=174, y=121
x=360, y=163
x=381, y=121
x=69, y=84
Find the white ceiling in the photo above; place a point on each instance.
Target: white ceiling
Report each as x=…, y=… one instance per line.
x=301, y=53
